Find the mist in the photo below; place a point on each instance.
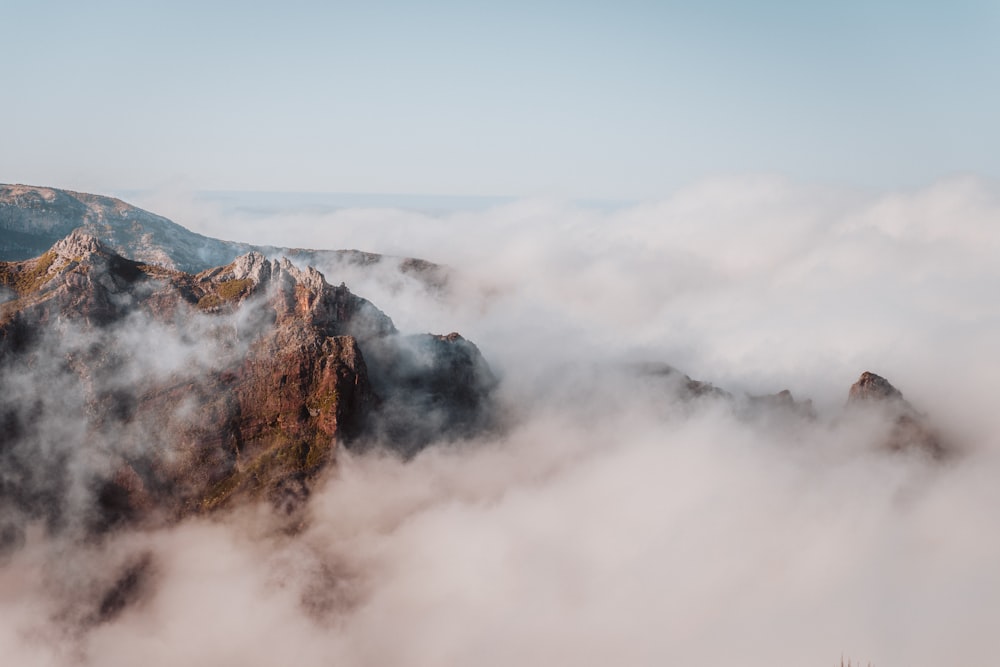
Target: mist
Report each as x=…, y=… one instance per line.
x=612, y=521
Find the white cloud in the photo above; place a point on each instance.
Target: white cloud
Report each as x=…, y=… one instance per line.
x=612, y=524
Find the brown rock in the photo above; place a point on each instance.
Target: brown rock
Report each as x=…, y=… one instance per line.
x=871, y=387
x=280, y=379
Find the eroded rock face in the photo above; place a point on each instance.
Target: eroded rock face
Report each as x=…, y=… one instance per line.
x=150, y=392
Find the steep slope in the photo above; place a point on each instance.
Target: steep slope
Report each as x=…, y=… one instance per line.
x=154, y=392
x=33, y=218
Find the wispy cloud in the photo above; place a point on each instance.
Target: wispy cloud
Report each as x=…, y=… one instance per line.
x=613, y=522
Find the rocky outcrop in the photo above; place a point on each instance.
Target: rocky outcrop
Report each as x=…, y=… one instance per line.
x=158, y=393
x=873, y=388
x=910, y=429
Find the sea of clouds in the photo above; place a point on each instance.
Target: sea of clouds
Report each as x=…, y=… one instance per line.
x=610, y=523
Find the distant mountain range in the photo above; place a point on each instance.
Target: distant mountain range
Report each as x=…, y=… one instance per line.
x=33, y=218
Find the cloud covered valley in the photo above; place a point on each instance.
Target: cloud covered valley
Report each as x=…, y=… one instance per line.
x=610, y=516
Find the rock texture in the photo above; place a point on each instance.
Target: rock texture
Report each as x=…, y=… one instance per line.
x=158, y=392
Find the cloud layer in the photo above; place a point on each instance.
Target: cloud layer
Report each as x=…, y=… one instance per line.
x=612, y=523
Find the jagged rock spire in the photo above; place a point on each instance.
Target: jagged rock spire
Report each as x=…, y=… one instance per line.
x=78, y=244
x=872, y=387
x=910, y=429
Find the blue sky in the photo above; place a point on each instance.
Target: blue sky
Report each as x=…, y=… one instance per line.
x=585, y=99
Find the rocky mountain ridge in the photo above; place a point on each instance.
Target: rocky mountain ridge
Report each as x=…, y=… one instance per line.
x=179, y=392
x=910, y=429
x=33, y=218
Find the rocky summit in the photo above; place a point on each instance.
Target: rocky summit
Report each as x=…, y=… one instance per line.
x=910, y=429
x=157, y=393
x=872, y=387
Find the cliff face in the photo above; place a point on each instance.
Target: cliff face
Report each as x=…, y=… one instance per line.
x=158, y=392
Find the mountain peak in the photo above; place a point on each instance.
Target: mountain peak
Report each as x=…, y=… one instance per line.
x=871, y=387
x=251, y=266
x=77, y=245
x=910, y=428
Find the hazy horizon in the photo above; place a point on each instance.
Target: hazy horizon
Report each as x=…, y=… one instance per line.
x=615, y=101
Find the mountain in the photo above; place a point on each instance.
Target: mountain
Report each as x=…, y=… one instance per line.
x=910, y=429
x=151, y=392
x=33, y=218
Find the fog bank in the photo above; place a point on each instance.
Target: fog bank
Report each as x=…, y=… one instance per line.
x=612, y=522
